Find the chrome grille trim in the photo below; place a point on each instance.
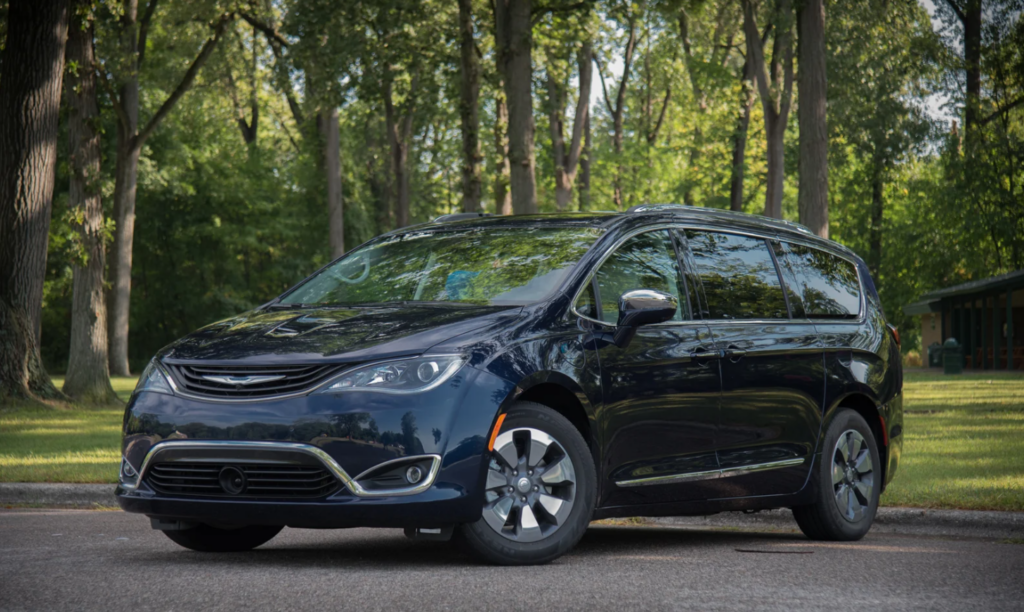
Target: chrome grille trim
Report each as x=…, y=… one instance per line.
x=189, y=380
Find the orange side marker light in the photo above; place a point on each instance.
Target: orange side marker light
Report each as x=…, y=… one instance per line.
x=494, y=433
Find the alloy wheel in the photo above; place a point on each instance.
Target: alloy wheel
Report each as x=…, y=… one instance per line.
x=853, y=476
x=531, y=485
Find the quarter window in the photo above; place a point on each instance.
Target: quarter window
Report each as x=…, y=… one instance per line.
x=826, y=283
x=645, y=261
x=738, y=275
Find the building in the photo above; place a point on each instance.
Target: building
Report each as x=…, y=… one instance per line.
x=985, y=316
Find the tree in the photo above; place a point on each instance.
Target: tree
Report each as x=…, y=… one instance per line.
x=567, y=158
x=617, y=111
x=31, y=75
x=739, y=146
x=514, y=37
x=813, y=195
x=130, y=139
x=88, y=376
x=328, y=121
x=469, y=110
x=775, y=86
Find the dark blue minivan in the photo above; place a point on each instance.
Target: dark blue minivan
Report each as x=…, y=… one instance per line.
x=503, y=381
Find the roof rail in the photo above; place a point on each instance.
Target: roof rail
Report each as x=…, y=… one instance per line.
x=460, y=217
x=718, y=212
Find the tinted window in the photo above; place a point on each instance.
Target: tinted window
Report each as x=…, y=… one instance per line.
x=827, y=284
x=645, y=261
x=738, y=275
x=476, y=266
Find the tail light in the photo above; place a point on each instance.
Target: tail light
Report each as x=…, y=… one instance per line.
x=895, y=333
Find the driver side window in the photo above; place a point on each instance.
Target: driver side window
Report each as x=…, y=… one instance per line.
x=645, y=261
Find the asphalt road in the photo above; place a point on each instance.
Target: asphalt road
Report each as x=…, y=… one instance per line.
x=68, y=560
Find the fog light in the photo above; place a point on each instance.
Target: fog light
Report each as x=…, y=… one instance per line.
x=414, y=474
x=127, y=470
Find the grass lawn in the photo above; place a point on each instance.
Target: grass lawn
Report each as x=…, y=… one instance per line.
x=963, y=442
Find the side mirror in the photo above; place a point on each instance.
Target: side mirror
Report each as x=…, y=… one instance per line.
x=642, y=307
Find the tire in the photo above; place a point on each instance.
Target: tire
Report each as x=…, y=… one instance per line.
x=560, y=494
x=205, y=538
x=849, y=483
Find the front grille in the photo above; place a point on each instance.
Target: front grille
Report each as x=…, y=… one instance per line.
x=285, y=379
x=261, y=480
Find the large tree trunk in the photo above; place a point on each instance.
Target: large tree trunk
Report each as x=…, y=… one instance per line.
x=515, y=41
x=469, y=111
x=88, y=377
x=332, y=169
x=775, y=129
x=813, y=195
x=30, y=88
x=739, y=143
x=502, y=195
x=567, y=161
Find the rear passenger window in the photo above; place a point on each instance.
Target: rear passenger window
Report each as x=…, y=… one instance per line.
x=645, y=261
x=739, y=276
x=826, y=283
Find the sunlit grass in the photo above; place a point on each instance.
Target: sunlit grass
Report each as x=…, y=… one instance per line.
x=963, y=442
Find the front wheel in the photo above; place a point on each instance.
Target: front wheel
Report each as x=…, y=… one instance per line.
x=849, y=483
x=539, y=493
x=205, y=538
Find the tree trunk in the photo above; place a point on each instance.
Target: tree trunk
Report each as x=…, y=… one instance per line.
x=129, y=145
x=556, y=121
x=584, y=188
x=813, y=194
x=972, y=17
x=775, y=129
x=739, y=144
x=88, y=377
x=469, y=112
x=875, y=232
x=515, y=41
x=502, y=195
x=332, y=170
x=31, y=73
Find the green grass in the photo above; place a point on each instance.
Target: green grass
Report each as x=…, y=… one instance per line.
x=52, y=444
x=963, y=442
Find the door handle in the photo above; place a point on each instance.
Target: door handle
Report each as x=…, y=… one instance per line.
x=703, y=354
x=734, y=353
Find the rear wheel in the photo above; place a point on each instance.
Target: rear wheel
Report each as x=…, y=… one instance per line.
x=849, y=481
x=205, y=538
x=539, y=493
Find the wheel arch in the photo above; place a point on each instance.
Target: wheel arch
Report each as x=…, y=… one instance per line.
x=566, y=397
x=869, y=410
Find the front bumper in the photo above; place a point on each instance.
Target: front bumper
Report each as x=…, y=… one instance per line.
x=348, y=433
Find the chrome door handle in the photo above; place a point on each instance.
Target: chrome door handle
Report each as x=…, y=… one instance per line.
x=734, y=353
x=703, y=354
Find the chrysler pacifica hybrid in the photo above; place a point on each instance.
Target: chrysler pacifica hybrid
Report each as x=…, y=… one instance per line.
x=503, y=381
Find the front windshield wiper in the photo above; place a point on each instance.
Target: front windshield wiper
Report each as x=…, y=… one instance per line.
x=283, y=306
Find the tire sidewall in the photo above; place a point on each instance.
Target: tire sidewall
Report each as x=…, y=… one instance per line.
x=844, y=421
x=488, y=544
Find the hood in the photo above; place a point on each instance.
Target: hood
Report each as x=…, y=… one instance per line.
x=332, y=334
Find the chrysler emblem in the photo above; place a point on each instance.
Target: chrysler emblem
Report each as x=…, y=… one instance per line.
x=243, y=380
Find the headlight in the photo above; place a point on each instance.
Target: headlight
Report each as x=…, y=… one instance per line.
x=153, y=379
x=404, y=376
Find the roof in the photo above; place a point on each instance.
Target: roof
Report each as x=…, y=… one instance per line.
x=932, y=301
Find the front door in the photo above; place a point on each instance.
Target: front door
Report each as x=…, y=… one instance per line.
x=660, y=405
x=772, y=367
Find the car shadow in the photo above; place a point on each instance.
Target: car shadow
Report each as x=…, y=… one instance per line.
x=390, y=550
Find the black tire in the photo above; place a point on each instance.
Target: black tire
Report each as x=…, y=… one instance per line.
x=205, y=538
x=824, y=520
x=484, y=542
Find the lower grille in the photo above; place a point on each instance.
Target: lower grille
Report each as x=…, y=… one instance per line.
x=245, y=480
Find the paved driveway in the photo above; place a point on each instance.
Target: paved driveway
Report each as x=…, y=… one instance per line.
x=65, y=560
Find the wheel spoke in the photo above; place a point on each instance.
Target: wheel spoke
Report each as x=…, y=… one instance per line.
x=528, y=529
x=557, y=508
x=855, y=442
x=495, y=480
x=856, y=509
x=864, y=492
x=837, y=473
x=539, y=443
x=842, y=447
x=843, y=498
x=559, y=473
x=507, y=450
x=863, y=464
x=496, y=514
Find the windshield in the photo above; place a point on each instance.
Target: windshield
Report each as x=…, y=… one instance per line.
x=472, y=266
